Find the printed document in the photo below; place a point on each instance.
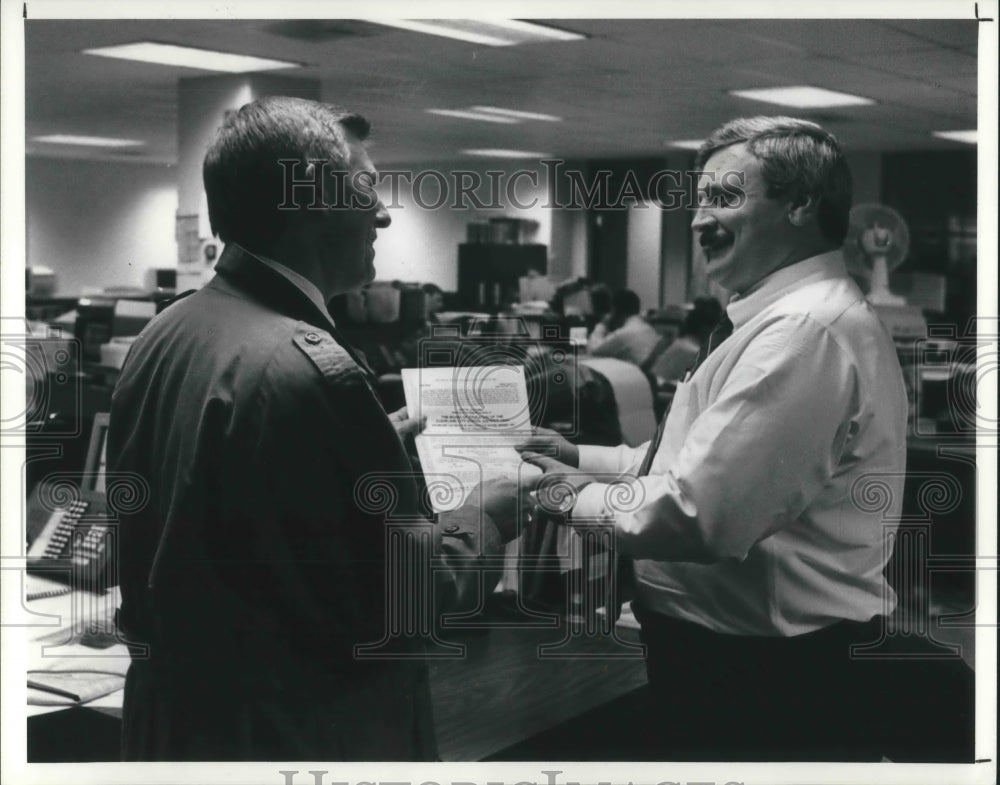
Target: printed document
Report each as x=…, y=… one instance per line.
x=475, y=416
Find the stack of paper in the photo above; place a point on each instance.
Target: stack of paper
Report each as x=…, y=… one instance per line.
x=475, y=416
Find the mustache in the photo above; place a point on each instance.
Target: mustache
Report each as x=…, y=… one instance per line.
x=709, y=239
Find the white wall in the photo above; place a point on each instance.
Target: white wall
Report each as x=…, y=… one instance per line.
x=99, y=224
x=642, y=259
x=421, y=245
x=568, y=249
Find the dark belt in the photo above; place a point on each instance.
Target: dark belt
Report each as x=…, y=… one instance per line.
x=657, y=625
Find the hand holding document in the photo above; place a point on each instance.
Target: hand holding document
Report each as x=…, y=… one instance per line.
x=545, y=441
x=474, y=417
x=405, y=425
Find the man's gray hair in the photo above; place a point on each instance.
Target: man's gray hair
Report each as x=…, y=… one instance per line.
x=798, y=158
x=244, y=178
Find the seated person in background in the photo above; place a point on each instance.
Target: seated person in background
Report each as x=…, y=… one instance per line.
x=435, y=301
x=674, y=362
x=600, y=301
x=624, y=334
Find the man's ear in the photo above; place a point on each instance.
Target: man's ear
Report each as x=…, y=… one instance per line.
x=802, y=209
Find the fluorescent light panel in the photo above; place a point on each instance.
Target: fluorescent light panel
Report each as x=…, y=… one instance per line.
x=518, y=114
x=803, y=97
x=493, y=32
x=465, y=114
x=501, y=153
x=968, y=137
x=189, y=57
x=86, y=141
x=686, y=144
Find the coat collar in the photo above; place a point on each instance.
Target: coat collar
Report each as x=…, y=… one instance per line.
x=273, y=284
x=280, y=288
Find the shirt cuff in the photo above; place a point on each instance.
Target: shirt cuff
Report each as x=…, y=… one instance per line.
x=595, y=459
x=590, y=500
x=609, y=460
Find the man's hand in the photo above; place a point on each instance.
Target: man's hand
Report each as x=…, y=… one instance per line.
x=506, y=501
x=405, y=425
x=557, y=489
x=543, y=439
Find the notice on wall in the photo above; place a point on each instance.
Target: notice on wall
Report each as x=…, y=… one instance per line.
x=188, y=243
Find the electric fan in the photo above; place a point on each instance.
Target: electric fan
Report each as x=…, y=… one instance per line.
x=877, y=243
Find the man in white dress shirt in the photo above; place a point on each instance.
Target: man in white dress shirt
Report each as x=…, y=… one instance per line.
x=758, y=553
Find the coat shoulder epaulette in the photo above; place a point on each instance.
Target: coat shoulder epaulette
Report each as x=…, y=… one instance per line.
x=331, y=359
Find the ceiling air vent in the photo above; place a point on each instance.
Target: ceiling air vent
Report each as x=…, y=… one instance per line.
x=323, y=30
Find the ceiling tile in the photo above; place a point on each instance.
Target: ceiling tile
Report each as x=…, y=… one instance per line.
x=958, y=33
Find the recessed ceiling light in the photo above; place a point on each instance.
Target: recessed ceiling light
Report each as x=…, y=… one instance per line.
x=465, y=114
x=189, y=57
x=685, y=144
x=501, y=153
x=518, y=114
x=803, y=97
x=968, y=137
x=86, y=141
x=493, y=32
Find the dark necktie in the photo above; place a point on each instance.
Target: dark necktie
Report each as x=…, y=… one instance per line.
x=626, y=566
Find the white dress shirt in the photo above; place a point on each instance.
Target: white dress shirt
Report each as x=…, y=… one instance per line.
x=779, y=477
x=633, y=342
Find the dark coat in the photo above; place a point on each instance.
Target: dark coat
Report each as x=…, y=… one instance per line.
x=257, y=562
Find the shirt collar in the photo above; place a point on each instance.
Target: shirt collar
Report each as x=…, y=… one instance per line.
x=742, y=308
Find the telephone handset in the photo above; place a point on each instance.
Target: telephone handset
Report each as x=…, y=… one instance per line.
x=70, y=535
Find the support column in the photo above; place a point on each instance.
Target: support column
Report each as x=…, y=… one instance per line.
x=676, y=245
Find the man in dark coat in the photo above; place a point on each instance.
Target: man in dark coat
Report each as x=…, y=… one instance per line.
x=257, y=566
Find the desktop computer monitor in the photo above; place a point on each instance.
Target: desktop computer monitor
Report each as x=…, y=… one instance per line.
x=165, y=278
x=94, y=320
x=94, y=470
x=535, y=288
x=130, y=316
x=578, y=303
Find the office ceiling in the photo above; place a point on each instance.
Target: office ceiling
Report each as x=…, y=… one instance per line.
x=632, y=86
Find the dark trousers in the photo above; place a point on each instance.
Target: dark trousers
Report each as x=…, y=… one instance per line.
x=729, y=697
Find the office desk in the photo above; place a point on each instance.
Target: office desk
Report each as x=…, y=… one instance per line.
x=500, y=693
x=938, y=531
x=503, y=692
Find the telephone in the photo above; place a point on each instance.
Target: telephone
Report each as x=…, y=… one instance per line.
x=70, y=535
